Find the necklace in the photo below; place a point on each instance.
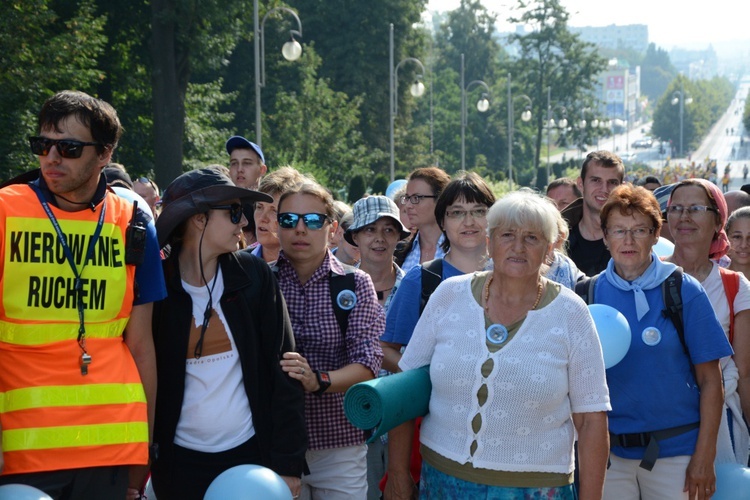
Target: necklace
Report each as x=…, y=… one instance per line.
x=539, y=290
x=380, y=293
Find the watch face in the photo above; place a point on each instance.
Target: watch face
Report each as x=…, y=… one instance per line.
x=325, y=378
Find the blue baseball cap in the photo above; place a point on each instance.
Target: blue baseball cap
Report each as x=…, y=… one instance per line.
x=238, y=141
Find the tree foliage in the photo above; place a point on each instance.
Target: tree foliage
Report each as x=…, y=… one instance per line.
x=553, y=57
x=42, y=52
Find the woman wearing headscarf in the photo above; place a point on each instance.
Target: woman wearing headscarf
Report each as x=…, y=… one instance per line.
x=219, y=338
x=666, y=392
x=697, y=214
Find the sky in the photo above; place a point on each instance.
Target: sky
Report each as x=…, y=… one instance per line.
x=670, y=22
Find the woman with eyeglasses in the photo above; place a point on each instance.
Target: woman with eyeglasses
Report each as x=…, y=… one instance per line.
x=336, y=332
x=461, y=215
x=697, y=213
x=666, y=392
x=422, y=191
x=219, y=337
x=516, y=372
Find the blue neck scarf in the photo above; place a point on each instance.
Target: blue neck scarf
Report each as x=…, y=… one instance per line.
x=652, y=277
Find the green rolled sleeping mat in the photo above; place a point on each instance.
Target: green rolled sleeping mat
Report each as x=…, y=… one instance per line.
x=383, y=403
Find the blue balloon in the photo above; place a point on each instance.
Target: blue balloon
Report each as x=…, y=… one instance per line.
x=394, y=186
x=249, y=482
x=732, y=482
x=22, y=492
x=664, y=247
x=614, y=333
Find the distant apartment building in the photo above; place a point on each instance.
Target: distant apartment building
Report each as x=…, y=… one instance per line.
x=630, y=36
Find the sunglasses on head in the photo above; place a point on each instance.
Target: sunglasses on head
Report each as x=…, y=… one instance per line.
x=289, y=220
x=235, y=211
x=66, y=148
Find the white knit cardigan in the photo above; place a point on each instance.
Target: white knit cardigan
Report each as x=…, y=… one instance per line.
x=551, y=368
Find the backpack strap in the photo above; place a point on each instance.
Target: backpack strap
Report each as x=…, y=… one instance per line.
x=731, y=281
x=339, y=283
x=432, y=276
x=585, y=288
x=671, y=289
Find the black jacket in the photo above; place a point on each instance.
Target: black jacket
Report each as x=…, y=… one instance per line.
x=257, y=317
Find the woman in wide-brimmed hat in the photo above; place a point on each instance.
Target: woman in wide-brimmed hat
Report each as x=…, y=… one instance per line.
x=219, y=336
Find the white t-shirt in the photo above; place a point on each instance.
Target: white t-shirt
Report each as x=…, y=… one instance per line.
x=215, y=412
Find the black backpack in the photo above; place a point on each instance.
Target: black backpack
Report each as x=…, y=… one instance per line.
x=432, y=275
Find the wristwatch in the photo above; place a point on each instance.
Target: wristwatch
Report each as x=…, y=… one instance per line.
x=324, y=380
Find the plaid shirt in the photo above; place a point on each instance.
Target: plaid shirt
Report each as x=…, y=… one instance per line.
x=320, y=341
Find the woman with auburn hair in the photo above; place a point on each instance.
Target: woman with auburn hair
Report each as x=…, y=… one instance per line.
x=666, y=392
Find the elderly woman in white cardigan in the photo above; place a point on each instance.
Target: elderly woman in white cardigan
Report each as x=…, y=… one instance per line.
x=516, y=369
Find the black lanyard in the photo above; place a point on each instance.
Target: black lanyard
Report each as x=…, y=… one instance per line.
x=85, y=357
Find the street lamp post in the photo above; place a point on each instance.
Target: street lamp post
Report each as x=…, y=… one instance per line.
x=291, y=52
x=525, y=116
x=416, y=89
x=551, y=123
x=483, y=104
x=682, y=100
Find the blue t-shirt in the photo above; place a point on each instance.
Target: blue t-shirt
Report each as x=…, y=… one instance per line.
x=403, y=313
x=149, y=276
x=653, y=388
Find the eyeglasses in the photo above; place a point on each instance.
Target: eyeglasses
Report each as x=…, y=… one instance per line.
x=66, y=148
x=289, y=220
x=414, y=199
x=638, y=233
x=691, y=210
x=235, y=211
x=476, y=213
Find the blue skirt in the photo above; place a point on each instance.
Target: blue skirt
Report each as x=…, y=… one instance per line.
x=435, y=485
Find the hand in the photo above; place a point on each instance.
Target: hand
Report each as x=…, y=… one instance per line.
x=400, y=486
x=296, y=366
x=700, y=479
x=138, y=475
x=294, y=484
x=133, y=494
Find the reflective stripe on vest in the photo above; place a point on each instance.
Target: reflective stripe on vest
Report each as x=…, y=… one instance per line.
x=74, y=436
x=66, y=395
x=40, y=333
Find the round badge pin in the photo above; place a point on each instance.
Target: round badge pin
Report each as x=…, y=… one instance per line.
x=651, y=336
x=346, y=300
x=497, y=334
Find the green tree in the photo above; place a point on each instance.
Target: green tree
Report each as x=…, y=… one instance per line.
x=316, y=129
x=656, y=72
x=552, y=56
x=187, y=37
x=42, y=53
x=467, y=30
x=704, y=103
x=352, y=40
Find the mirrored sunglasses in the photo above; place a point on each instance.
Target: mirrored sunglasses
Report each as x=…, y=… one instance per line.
x=289, y=220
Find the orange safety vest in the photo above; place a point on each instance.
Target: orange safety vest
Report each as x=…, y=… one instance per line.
x=52, y=416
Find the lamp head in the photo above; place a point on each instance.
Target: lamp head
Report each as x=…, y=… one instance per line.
x=291, y=50
x=483, y=104
x=417, y=89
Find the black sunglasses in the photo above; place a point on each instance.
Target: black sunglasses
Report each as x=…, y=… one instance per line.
x=289, y=220
x=66, y=148
x=235, y=211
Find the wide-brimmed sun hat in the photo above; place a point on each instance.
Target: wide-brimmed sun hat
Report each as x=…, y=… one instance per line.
x=368, y=210
x=195, y=192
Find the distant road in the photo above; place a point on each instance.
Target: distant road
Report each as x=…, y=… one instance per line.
x=722, y=143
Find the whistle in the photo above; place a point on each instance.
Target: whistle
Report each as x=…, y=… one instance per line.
x=85, y=362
